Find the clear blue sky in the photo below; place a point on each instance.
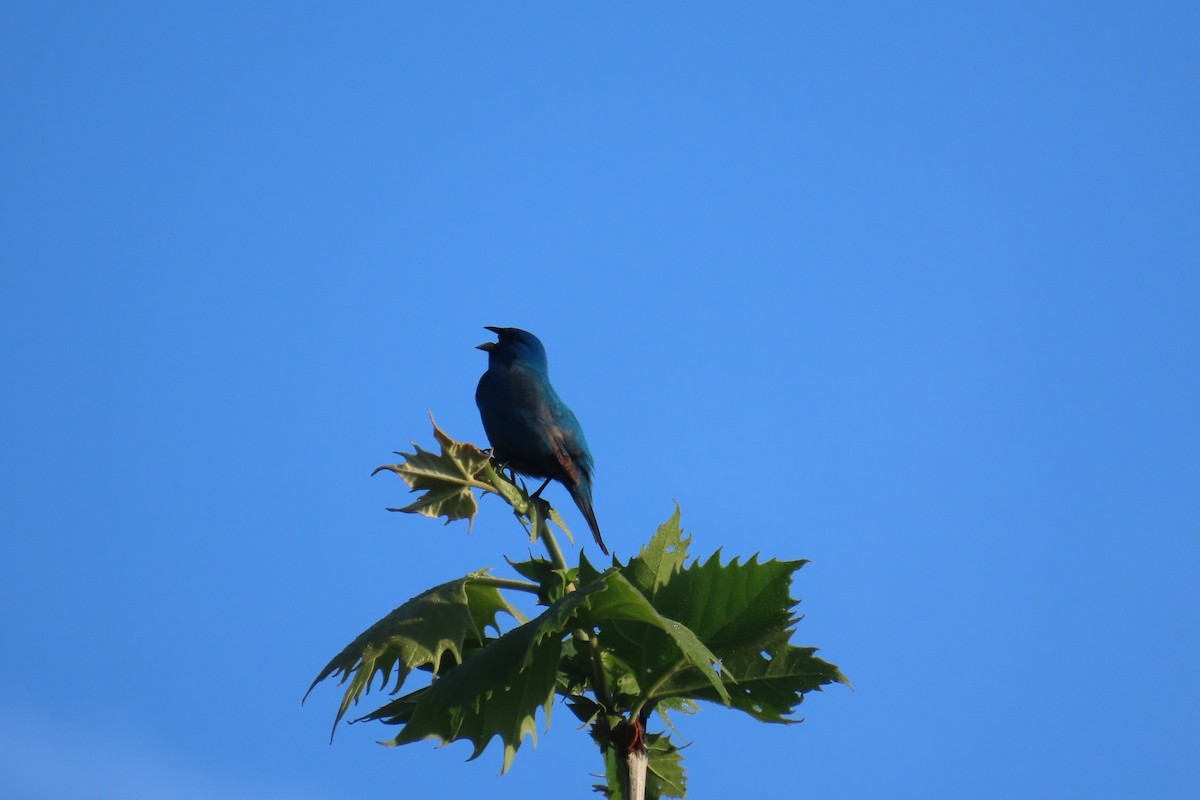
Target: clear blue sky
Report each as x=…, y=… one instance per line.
x=911, y=290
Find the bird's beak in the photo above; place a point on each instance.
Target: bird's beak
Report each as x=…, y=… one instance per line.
x=488, y=347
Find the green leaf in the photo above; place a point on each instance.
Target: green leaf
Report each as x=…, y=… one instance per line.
x=664, y=774
x=733, y=603
x=741, y=613
x=585, y=709
x=658, y=561
x=446, y=479
x=552, y=581
x=772, y=679
x=666, y=706
x=532, y=512
x=679, y=649
x=417, y=634
x=662, y=634
x=495, y=692
x=557, y=519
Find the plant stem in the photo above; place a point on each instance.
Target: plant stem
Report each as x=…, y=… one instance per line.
x=599, y=681
x=556, y=553
x=649, y=693
x=507, y=583
x=636, y=761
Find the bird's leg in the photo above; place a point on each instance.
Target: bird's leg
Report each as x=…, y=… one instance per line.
x=539, y=489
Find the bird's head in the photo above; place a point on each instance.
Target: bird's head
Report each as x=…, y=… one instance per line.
x=514, y=345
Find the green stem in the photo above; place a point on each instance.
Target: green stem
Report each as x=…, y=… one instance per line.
x=649, y=693
x=599, y=682
x=507, y=583
x=556, y=553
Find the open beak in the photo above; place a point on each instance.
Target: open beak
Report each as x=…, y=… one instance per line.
x=488, y=347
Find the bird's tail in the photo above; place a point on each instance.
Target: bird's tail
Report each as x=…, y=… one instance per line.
x=582, y=495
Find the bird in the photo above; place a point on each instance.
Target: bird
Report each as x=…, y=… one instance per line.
x=530, y=428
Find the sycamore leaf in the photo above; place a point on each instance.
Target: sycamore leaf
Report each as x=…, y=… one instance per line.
x=659, y=560
x=552, y=582
x=557, y=519
x=772, y=679
x=417, y=634
x=663, y=635
x=585, y=709
x=495, y=692
x=622, y=602
x=396, y=712
x=664, y=774
x=446, y=479
x=732, y=603
x=666, y=706
x=742, y=615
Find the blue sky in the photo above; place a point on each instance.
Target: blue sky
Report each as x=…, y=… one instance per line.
x=910, y=290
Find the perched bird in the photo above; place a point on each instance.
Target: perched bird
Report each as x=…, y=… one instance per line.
x=531, y=429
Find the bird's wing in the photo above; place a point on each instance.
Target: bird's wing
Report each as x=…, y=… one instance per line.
x=560, y=442
x=570, y=448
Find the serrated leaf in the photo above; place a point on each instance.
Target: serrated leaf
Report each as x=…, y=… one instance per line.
x=772, y=679
x=621, y=602
x=661, y=558
x=552, y=582
x=731, y=603
x=666, y=706
x=495, y=692
x=557, y=519
x=664, y=774
x=584, y=708
x=742, y=614
x=416, y=634
x=446, y=479
x=539, y=570
x=575, y=675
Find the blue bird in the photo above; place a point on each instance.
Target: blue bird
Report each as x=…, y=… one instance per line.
x=531, y=429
